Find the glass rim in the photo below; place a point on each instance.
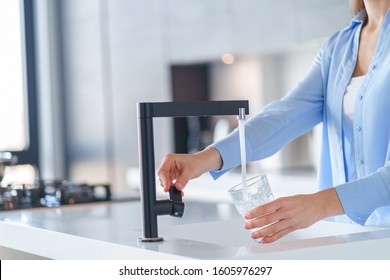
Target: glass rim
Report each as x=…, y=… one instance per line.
x=250, y=182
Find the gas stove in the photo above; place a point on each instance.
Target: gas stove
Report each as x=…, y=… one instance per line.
x=53, y=193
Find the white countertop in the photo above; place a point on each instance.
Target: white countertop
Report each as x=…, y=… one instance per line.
x=109, y=230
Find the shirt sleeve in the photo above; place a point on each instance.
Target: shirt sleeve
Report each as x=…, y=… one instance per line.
x=362, y=197
x=279, y=123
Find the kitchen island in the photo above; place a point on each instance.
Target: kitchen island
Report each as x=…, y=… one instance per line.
x=208, y=230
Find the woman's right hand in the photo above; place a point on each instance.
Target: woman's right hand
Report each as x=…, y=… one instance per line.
x=177, y=169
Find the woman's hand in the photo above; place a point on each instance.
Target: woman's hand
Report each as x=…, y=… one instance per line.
x=178, y=169
x=286, y=214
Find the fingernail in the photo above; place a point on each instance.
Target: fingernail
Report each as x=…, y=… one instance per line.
x=179, y=186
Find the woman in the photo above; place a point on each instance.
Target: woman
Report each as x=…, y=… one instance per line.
x=348, y=90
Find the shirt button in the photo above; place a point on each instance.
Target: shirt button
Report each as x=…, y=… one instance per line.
x=358, y=128
x=360, y=97
x=373, y=67
x=361, y=162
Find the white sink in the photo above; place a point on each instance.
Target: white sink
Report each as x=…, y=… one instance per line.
x=232, y=233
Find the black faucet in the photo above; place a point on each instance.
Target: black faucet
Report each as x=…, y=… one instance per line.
x=151, y=208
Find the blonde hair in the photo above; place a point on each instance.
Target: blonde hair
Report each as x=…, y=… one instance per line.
x=356, y=5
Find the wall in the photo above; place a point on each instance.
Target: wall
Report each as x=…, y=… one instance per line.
x=117, y=53
x=262, y=78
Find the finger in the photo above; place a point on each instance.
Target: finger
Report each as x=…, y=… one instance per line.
x=263, y=209
x=182, y=181
x=179, y=185
x=264, y=220
x=271, y=229
x=276, y=236
x=165, y=172
x=164, y=182
x=162, y=179
x=161, y=183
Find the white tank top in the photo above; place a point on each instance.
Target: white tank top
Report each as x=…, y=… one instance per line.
x=348, y=112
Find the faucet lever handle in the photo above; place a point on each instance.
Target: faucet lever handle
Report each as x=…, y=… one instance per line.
x=176, y=202
x=174, y=194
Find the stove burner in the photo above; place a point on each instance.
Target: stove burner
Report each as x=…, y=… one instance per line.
x=51, y=194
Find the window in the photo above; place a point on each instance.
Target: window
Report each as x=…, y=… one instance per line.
x=18, y=112
x=12, y=94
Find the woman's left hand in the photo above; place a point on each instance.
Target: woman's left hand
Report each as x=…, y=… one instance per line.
x=286, y=214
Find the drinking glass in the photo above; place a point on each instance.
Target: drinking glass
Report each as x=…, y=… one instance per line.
x=258, y=192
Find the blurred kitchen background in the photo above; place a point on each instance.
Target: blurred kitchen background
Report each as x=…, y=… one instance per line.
x=72, y=71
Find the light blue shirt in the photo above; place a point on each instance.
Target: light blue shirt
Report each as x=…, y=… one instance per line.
x=318, y=98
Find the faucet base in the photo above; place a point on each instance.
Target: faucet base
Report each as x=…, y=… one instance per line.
x=150, y=239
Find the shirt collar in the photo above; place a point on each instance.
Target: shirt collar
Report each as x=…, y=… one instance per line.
x=360, y=17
